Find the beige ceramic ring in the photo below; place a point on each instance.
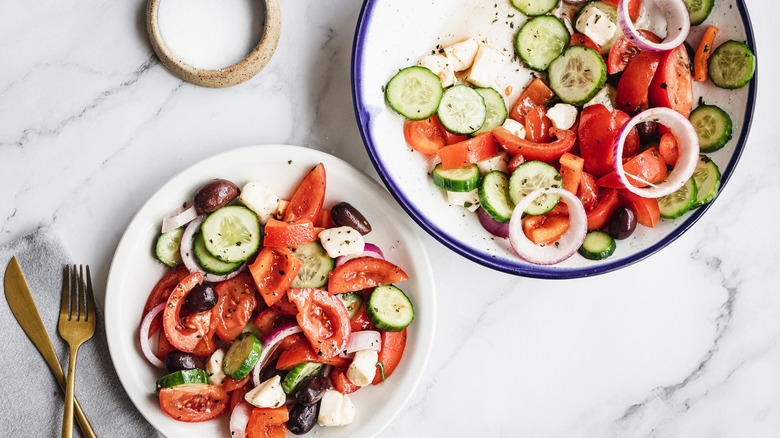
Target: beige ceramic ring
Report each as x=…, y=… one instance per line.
x=223, y=77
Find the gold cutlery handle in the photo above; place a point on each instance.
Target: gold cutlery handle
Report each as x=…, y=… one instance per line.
x=51, y=359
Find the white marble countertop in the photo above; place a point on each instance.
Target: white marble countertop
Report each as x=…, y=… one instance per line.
x=683, y=344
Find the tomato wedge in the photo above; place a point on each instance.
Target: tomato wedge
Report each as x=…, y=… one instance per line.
x=597, y=131
x=588, y=191
x=340, y=382
x=237, y=396
x=633, y=86
x=229, y=384
x=424, y=135
x=235, y=306
x=634, y=7
x=160, y=293
x=579, y=39
x=207, y=343
x=194, y=402
x=324, y=320
x=360, y=321
x=184, y=333
x=668, y=149
x=672, y=86
x=623, y=51
x=571, y=171
x=308, y=198
x=537, y=125
x=649, y=166
x=565, y=140
x=279, y=234
x=393, y=345
x=468, y=151
x=269, y=319
x=535, y=94
x=363, y=273
x=268, y=422
x=545, y=229
x=300, y=351
x=273, y=271
x=646, y=209
x=607, y=203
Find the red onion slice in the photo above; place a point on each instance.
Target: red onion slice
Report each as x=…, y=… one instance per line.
x=369, y=250
x=364, y=340
x=179, y=217
x=188, y=255
x=565, y=246
x=492, y=226
x=270, y=343
x=687, y=143
x=144, y=336
x=239, y=419
x=678, y=24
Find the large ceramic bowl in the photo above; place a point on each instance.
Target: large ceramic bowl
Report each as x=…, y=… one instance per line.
x=393, y=34
x=134, y=271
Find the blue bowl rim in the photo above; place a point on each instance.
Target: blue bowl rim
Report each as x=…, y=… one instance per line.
x=528, y=270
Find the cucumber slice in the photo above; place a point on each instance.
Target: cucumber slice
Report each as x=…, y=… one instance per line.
x=533, y=8
x=678, y=203
x=315, y=265
x=182, y=377
x=232, y=233
x=597, y=245
x=577, y=75
x=713, y=127
x=699, y=10
x=494, y=196
x=530, y=176
x=167, y=247
x=414, y=92
x=389, y=309
x=462, y=109
x=352, y=301
x=460, y=179
x=242, y=356
x=707, y=176
x=732, y=65
x=541, y=40
x=496, y=110
x=298, y=374
x=208, y=262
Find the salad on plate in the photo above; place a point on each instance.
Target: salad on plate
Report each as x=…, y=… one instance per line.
x=272, y=311
x=586, y=129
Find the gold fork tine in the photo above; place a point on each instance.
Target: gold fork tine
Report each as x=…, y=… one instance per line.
x=64, y=311
x=90, y=299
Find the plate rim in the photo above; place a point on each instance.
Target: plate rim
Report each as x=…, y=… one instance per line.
x=519, y=268
x=117, y=344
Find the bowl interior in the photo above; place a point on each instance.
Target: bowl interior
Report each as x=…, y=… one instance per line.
x=417, y=29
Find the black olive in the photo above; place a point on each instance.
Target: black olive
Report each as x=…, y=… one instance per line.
x=622, y=223
x=345, y=215
x=303, y=418
x=270, y=371
x=646, y=131
x=201, y=298
x=214, y=195
x=178, y=360
x=311, y=390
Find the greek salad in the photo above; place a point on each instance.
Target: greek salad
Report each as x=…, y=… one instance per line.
x=606, y=134
x=272, y=311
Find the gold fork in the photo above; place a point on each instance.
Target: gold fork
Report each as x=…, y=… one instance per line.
x=77, y=324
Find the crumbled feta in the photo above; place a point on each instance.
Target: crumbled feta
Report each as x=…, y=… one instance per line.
x=467, y=200
x=596, y=25
x=259, y=199
x=362, y=370
x=440, y=66
x=562, y=115
x=514, y=127
x=496, y=162
x=461, y=55
x=214, y=367
x=268, y=394
x=341, y=241
x=487, y=65
x=336, y=409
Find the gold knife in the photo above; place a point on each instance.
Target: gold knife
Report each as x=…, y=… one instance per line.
x=23, y=307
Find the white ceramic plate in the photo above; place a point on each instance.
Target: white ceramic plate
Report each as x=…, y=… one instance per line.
x=393, y=34
x=134, y=271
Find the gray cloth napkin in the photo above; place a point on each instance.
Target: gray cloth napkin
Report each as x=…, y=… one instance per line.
x=33, y=401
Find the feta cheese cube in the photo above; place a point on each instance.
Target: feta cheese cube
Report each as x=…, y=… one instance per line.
x=605, y=97
x=514, y=127
x=362, y=370
x=562, y=115
x=467, y=200
x=461, y=55
x=341, y=241
x=268, y=394
x=496, y=162
x=214, y=367
x=259, y=199
x=488, y=64
x=336, y=409
x=596, y=25
x=440, y=66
